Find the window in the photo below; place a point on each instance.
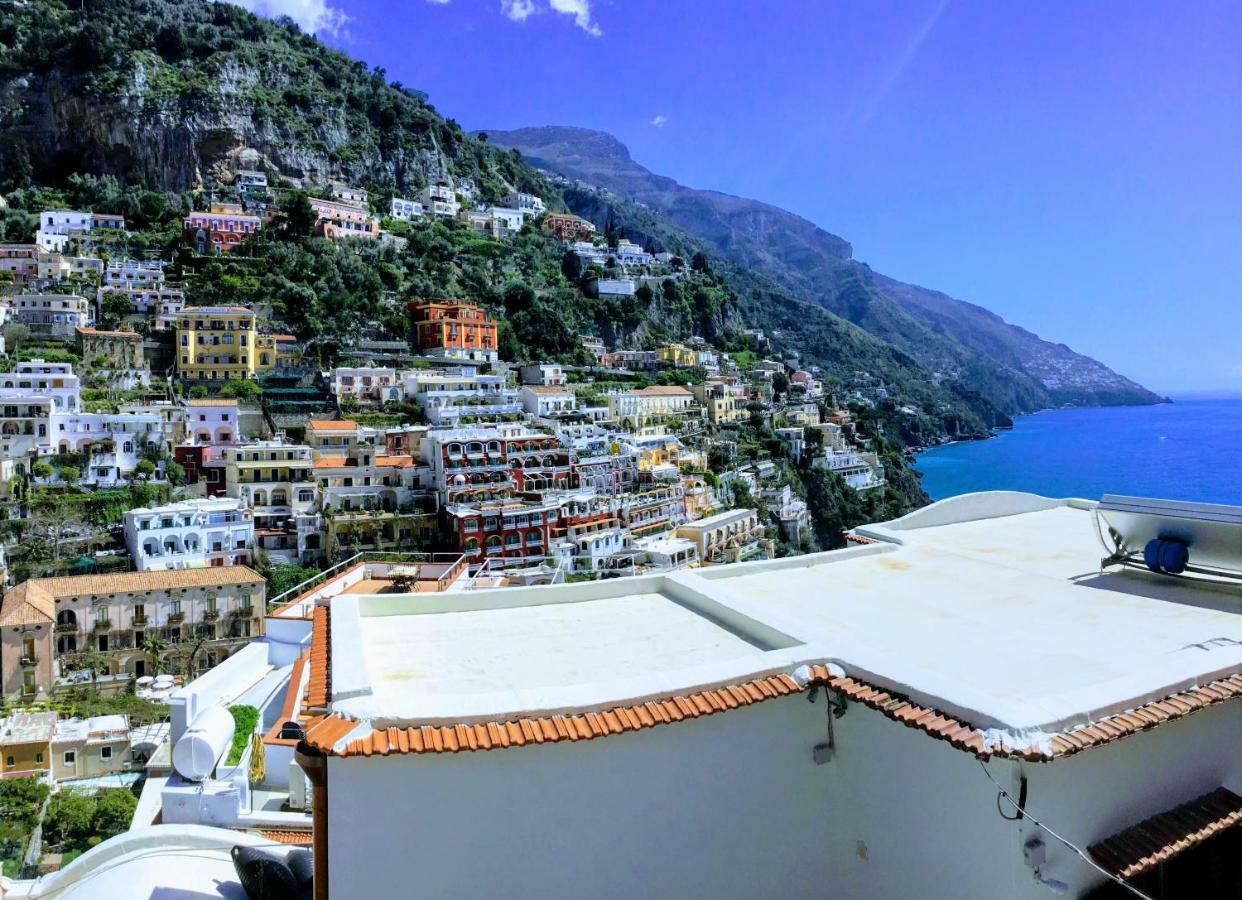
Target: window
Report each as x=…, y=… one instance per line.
x=105, y=753
x=9, y=762
x=71, y=757
x=39, y=759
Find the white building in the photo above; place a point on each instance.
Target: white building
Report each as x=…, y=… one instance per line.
x=405, y=210
x=658, y=401
x=504, y=221
x=366, y=384
x=530, y=204
x=190, y=534
x=57, y=227
x=449, y=398
x=547, y=401
x=546, y=374
x=213, y=420
x=134, y=273
x=440, y=200
x=57, y=314
x=630, y=254
x=734, y=535
x=616, y=287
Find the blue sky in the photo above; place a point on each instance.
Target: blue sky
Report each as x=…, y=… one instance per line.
x=1074, y=167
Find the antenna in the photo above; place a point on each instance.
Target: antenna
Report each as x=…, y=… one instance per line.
x=1170, y=537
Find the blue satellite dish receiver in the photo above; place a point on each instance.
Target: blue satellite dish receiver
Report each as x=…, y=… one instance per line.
x=1170, y=537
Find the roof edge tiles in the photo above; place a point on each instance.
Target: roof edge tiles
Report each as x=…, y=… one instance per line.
x=1158, y=839
x=319, y=684
x=975, y=740
x=327, y=733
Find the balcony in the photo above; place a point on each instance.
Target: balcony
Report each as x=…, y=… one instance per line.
x=140, y=620
x=246, y=611
x=211, y=615
x=103, y=624
x=30, y=659
x=176, y=618
x=66, y=627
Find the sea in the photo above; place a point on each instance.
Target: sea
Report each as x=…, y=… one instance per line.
x=1190, y=449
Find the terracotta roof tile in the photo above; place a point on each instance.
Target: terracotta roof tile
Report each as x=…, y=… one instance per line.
x=318, y=685
x=327, y=732
x=331, y=425
x=965, y=736
x=283, y=836
x=1158, y=839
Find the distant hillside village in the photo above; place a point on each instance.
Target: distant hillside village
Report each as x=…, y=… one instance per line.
x=172, y=468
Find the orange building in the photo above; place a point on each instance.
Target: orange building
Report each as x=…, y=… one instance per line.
x=454, y=329
x=568, y=227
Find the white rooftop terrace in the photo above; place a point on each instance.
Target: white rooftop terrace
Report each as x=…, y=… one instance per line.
x=991, y=608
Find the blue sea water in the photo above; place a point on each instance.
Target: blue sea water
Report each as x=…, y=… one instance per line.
x=1188, y=450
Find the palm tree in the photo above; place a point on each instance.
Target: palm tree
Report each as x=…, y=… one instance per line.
x=156, y=649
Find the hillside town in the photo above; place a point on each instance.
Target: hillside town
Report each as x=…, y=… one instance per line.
x=181, y=477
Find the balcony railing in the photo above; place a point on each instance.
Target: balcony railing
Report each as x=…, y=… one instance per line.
x=66, y=627
x=103, y=624
x=211, y=615
x=246, y=611
x=140, y=619
x=176, y=618
x=29, y=659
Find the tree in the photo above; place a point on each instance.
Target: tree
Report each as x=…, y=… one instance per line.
x=41, y=469
x=242, y=389
x=299, y=218
x=70, y=473
x=156, y=649
x=69, y=819
x=145, y=468
x=198, y=391
x=780, y=383
x=699, y=263
x=114, y=810
x=114, y=308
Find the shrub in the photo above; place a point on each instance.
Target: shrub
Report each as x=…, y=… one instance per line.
x=244, y=720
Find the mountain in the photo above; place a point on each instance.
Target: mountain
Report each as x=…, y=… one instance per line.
x=173, y=94
x=957, y=341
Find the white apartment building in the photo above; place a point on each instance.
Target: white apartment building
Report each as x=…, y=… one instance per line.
x=213, y=420
x=57, y=227
x=530, y=204
x=58, y=314
x=628, y=253
x=503, y=221
x=734, y=535
x=440, y=200
x=546, y=374
x=634, y=409
x=405, y=210
x=616, y=287
x=547, y=401
x=190, y=534
x=131, y=273
x=367, y=384
x=448, y=398
x=277, y=481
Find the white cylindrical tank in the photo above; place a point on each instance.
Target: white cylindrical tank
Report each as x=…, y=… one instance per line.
x=209, y=735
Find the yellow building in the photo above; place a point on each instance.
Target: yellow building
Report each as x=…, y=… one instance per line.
x=25, y=743
x=678, y=355
x=216, y=343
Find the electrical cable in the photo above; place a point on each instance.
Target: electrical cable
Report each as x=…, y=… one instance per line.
x=1081, y=853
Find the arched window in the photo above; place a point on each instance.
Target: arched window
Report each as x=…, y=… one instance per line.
x=472, y=545
x=67, y=617
x=493, y=542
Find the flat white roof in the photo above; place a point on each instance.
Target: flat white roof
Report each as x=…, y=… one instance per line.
x=991, y=608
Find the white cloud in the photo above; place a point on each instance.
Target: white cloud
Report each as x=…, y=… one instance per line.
x=659, y=121
x=438, y=2
x=581, y=11
x=314, y=16
x=518, y=10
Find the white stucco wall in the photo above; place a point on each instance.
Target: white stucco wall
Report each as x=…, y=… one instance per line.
x=731, y=805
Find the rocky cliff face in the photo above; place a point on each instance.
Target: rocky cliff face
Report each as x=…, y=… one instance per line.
x=955, y=341
x=175, y=95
